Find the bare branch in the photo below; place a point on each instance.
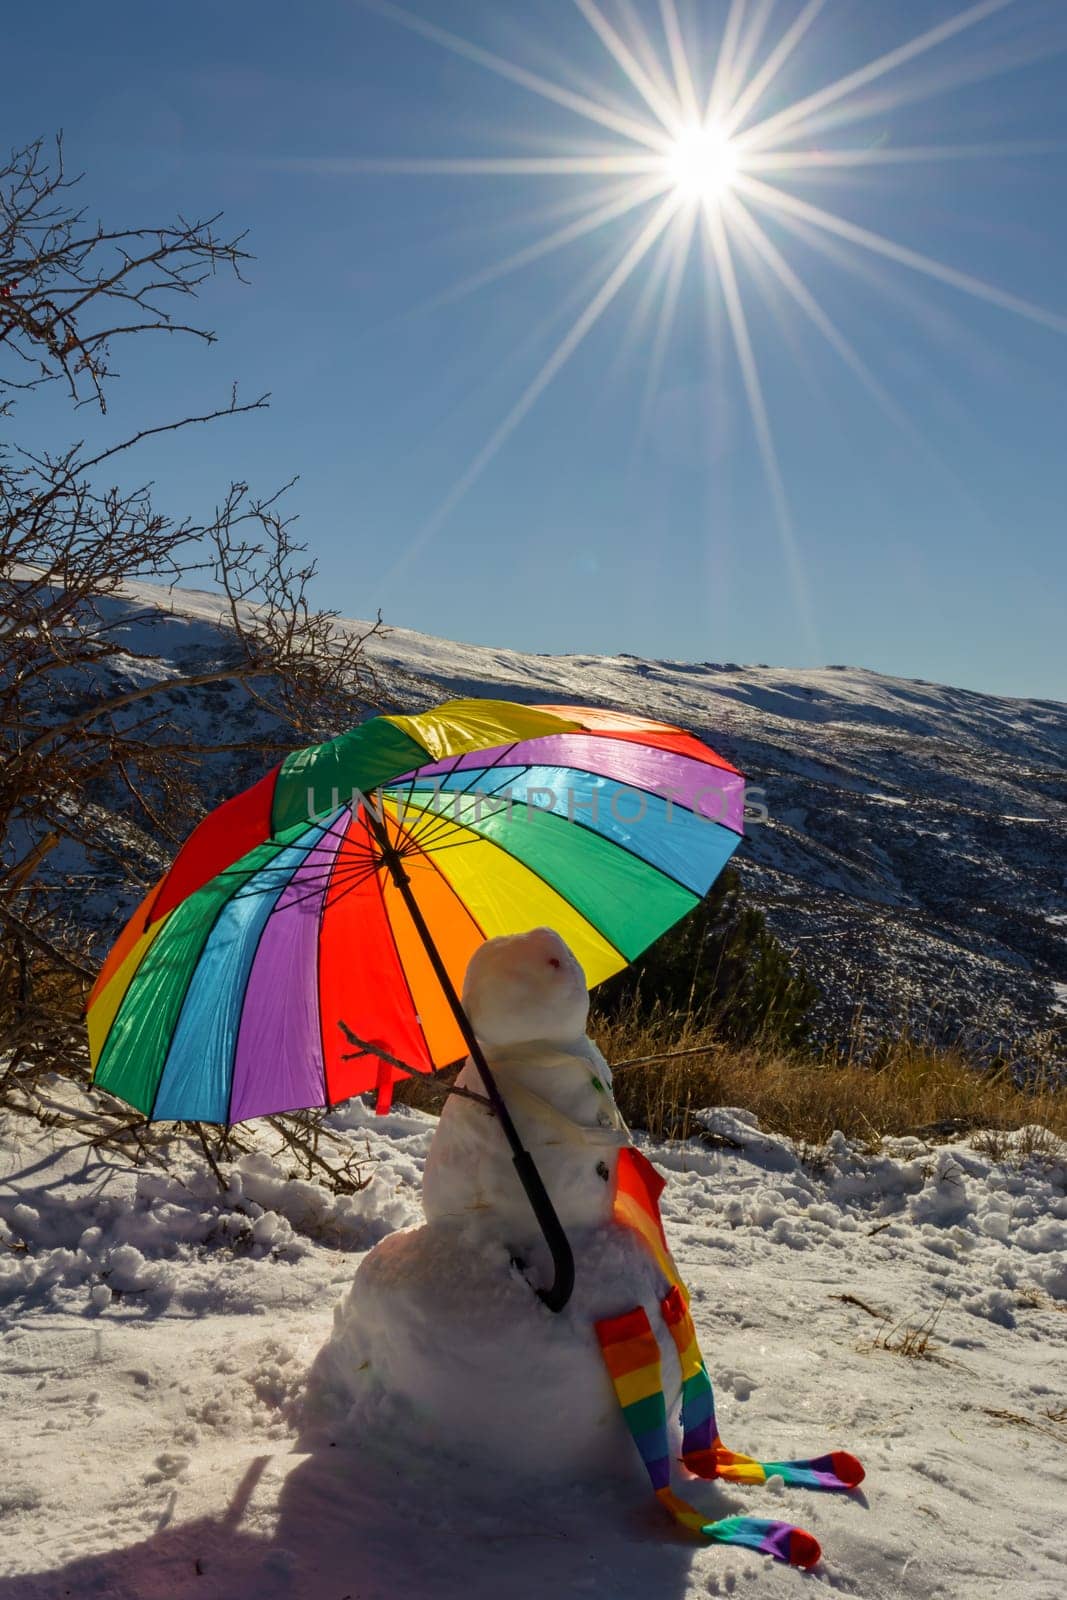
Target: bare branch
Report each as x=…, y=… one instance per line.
x=66, y=289
x=113, y=743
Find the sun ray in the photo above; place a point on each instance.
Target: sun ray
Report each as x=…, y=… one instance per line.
x=794, y=285
x=555, y=216
x=683, y=77
x=761, y=422
x=629, y=127
x=972, y=69
x=722, y=75
x=561, y=311
x=905, y=291
x=681, y=245
x=761, y=81
x=774, y=126
x=660, y=106
x=595, y=309
x=778, y=199
x=741, y=55
x=588, y=222
x=800, y=292
x=651, y=291
x=894, y=155
x=644, y=48
x=603, y=166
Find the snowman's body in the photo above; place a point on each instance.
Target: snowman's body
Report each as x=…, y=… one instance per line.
x=561, y=1102
x=528, y=1004
x=441, y=1330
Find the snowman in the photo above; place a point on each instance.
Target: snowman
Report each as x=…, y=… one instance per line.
x=443, y=1341
x=442, y=1334
x=528, y=1005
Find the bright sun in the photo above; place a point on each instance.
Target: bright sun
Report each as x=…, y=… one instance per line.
x=714, y=149
x=702, y=164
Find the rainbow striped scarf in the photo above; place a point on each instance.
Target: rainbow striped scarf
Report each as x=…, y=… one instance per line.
x=631, y=1354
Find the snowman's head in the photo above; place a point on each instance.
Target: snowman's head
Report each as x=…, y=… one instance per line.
x=526, y=987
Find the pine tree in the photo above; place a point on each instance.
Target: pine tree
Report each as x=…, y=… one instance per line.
x=721, y=964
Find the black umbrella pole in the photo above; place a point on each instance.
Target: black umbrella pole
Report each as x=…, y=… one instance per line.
x=559, y=1292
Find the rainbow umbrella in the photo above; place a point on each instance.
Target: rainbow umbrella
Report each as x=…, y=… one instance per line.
x=355, y=880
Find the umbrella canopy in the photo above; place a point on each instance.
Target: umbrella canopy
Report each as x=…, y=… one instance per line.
x=285, y=911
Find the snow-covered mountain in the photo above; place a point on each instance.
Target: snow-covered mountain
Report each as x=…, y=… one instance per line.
x=912, y=850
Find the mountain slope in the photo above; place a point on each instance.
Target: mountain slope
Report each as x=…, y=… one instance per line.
x=905, y=838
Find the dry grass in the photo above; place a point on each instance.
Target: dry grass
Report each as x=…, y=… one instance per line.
x=426, y=1094
x=909, y=1089
x=862, y=1305
x=913, y=1340
x=1056, y=1415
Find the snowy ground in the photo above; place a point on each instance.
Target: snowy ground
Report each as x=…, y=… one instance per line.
x=155, y=1337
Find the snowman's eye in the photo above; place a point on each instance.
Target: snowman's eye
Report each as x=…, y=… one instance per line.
x=554, y=961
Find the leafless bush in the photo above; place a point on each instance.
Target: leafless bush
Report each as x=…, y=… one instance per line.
x=103, y=759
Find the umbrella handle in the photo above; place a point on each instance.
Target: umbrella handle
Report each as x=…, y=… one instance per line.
x=559, y=1291
x=561, y=1288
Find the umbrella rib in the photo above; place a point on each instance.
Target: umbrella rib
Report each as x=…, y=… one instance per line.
x=401, y=968
x=413, y=779
x=410, y=787
x=330, y=831
x=446, y=824
x=352, y=878
x=357, y=870
x=309, y=882
x=354, y=854
x=424, y=826
x=440, y=824
x=451, y=886
x=484, y=839
x=317, y=847
x=501, y=755
x=453, y=844
x=587, y=827
x=429, y=826
x=347, y=884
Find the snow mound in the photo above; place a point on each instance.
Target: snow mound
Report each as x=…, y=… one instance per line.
x=440, y=1341
x=168, y=1238
x=991, y=1233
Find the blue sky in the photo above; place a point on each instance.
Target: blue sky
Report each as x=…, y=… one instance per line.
x=619, y=514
